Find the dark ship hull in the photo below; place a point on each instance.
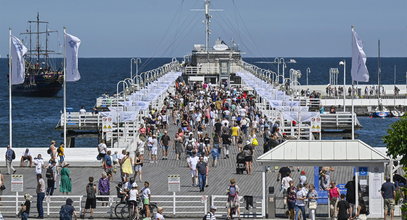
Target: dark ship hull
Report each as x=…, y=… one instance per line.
x=44, y=85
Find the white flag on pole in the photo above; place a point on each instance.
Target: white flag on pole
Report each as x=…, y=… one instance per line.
x=359, y=70
x=71, y=53
x=17, y=61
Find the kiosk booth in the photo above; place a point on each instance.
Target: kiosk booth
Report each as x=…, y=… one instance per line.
x=368, y=165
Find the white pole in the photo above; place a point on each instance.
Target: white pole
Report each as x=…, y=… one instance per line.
x=344, y=85
x=356, y=191
x=65, y=87
x=131, y=68
x=353, y=116
x=9, y=93
x=263, y=210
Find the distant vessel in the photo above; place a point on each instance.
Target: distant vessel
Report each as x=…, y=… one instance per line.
x=41, y=78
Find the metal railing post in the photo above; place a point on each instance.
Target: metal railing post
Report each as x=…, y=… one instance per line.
x=17, y=203
x=47, y=200
x=173, y=203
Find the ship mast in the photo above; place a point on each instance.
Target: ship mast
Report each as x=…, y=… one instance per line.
x=207, y=24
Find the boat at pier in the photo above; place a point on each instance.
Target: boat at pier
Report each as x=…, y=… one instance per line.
x=42, y=76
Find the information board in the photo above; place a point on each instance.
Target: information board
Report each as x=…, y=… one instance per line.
x=174, y=183
x=17, y=183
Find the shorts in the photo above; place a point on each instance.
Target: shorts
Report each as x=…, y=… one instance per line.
x=193, y=173
x=248, y=158
x=154, y=151
x=90, y=203
x=138, y=168
x=109, y=171
x=164, y=147
x=389, y=204
x=146, y=201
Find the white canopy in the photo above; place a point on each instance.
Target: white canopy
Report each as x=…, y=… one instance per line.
x=322, y=153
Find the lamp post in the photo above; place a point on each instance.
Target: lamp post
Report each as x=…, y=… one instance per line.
x=343, y=63
x=308, y=72
x=134, y=61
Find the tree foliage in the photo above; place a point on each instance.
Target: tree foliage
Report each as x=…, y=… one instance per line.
x=396, y=140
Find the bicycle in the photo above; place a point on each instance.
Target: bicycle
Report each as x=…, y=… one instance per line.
x=127, y=210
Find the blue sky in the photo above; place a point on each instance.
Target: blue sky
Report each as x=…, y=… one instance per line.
x=262, y=28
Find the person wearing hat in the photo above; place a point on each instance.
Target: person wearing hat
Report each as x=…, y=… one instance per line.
x=133, y=193
x=211, y=213
x=25, y=207
x=66, y=185
x=67, y=210
x=303, y=178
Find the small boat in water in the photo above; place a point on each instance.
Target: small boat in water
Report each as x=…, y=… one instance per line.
x=397, y=113
x=381, y=112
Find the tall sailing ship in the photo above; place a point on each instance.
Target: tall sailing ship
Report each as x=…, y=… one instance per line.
x=41, y=77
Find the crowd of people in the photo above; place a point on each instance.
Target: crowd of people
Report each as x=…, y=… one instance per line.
x=199, y=124
x=366, y=91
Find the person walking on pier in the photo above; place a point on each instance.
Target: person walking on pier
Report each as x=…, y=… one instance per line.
x=300, y=202
x=66, y=185
x=39, y=164
x=90, y=204
x=388, y=191
x=51, y=175
x=192, y=162
x=10, y=156
x=61, y=153
x=165, y=141
x=40, y=195
x=233, y=199
x=202, y=168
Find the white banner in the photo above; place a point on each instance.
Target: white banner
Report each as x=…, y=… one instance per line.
x=17, y=61
x=359, y=70
x=71, y=53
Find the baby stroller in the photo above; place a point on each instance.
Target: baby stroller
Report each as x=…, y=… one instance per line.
x=240, y=163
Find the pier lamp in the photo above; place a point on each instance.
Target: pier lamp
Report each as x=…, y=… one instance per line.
x=343, y=63
x=134, y=61
x=308, y=72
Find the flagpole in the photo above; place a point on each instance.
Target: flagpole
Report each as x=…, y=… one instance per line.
x=64, y=87
x=353, y=107
x=9, y=92
x=353, y=116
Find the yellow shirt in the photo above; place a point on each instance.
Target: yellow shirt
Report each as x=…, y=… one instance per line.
x=235, y=131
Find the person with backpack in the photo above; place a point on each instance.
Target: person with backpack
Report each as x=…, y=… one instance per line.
x=233, y=203
x=90, y=204
x=10, y=156
x=67, y=211
x=189, y=145
x=51, y=175
x=108, y=164
x=211, y=214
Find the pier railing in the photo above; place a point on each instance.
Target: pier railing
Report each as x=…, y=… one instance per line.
x=77, y=120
